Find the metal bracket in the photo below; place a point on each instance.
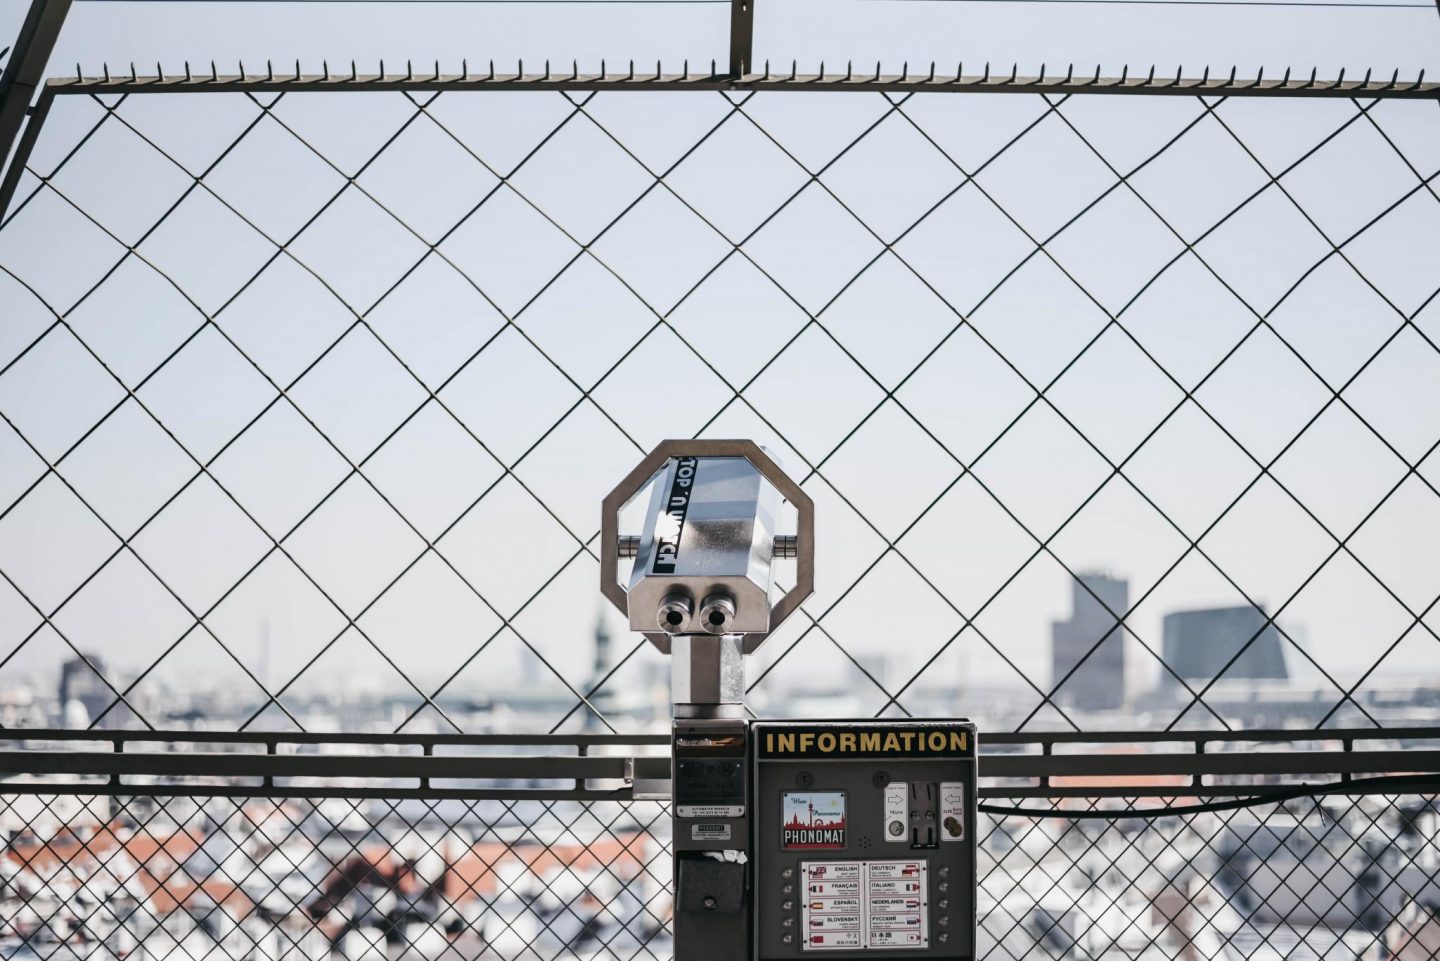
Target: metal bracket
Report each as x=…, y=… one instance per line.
x=742, y=36
x=650, y=466
x=22, y=77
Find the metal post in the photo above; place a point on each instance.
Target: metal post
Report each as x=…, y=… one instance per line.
x=26, y=68
x=742, y=36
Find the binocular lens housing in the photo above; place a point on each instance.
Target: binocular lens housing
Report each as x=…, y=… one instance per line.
x=718, y=613
x=674, y=612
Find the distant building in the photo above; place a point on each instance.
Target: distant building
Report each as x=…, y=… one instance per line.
x=1098, y=684
x=83, y=692
x=1199, y=644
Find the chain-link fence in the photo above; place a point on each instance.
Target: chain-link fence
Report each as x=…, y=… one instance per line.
x=1112, y=406
x=181, y=869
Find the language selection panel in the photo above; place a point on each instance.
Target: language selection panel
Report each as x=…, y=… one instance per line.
x=865, y=904
x=864, y=839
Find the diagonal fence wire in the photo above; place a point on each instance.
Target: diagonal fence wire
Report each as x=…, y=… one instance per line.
x=739, y=398
x=242, y=877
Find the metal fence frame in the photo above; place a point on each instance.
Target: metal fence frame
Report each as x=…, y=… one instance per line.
x=641, y=763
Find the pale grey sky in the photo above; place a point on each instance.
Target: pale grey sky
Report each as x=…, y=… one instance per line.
x=908, y=336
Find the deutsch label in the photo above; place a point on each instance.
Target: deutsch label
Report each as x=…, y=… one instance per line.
x=709, y=832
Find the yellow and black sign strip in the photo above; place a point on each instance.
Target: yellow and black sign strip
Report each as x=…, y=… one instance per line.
x=837, y=741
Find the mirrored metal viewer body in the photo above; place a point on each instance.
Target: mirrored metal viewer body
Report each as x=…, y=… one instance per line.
x=704, y=562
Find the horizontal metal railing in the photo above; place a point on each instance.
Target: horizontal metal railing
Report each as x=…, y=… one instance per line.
x=621, y=767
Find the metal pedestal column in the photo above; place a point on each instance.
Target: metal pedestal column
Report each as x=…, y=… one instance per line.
x=711, y=797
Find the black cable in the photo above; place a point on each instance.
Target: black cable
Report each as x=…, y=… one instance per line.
x=597, y=3
x=1163, y=3
x=1196, y=3
x=1285, y=794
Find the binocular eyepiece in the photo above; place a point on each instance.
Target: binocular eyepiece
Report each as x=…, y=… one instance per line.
x=717, y=613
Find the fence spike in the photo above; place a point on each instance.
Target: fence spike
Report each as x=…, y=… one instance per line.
x=519, y=69
x=1313, y=72
x=547, y=69
x=133, y=75
x=241, y=65
x=297, y=67
x=1285, y=80
x=159, y=71
x=657, y=69
x=1393, y=77
x=492, y=71
x=1124, y=73
x=877, y=70
x=464, y=68
x=687, y=68
x=1096, y=79
x=986, y=77
x=107, y=71
x=1366, y=81
x=904, y=70
x=269, y=71
x=1205, y=77
x=792, y=69
x=632, y=71
x=767, y=68
x=1151, y=78
x=1014, y=71
x=1420, y=80
x=931, y=78
x=1042, y=73
x=575, y=70
x=1339, y=80
x=325, y=69
x=849, y=70
x=187, y=70
x=1069, y=73
x=1231, y=81
x=1259, y=75
x=602, y=68
x=409, y=70
x=214, y=73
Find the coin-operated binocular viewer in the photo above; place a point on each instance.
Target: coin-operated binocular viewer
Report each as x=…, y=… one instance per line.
x=791, y=839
